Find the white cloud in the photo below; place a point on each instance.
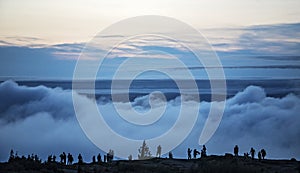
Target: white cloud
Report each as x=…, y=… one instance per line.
x=41, y=120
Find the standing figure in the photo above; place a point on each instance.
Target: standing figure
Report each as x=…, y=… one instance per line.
x=80, y=161
x=61, y=158
x=259, y=156
x=189, y=151
x=105, y=158
x=99, y=158
x=49, y=159
x=64, y=158
x=236, y=150
x=170, y=155
x=69, y=159
x=94, y=159
x=252, y=152
x=130, y=157
x=203, y=151
x=263, y=153
x=158, y=152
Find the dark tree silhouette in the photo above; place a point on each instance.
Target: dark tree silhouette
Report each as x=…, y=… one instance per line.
x=110, y=156
x=144, y=152
x=11, y=155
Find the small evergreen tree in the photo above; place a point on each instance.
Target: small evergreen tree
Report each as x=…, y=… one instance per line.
x=144, y=152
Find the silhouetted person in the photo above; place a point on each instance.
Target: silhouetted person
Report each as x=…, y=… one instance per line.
x=108, y=157
x=263, y=153
x=246, y=155
x=189, y=151
x=252, y=152
x=104, y=158
x=49, y=159
x=94, y=159
x=130, y=157
x=64, y=158
x=61, y=158
x=54, y=158
x=259, y=156
x=36, y=158
x=195, y=153
x=203, y=151
x=170, y=155
x=158, y=152
x=99, y=158
x=80, y=161
x=236, y=150
x=70, y=159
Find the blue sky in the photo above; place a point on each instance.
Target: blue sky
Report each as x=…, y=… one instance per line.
x=43, y=39
x=258, y=51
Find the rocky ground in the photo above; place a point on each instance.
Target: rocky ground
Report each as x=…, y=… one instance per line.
x=209, y=164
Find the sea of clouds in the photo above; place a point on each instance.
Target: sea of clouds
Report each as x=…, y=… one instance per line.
x=42, y=121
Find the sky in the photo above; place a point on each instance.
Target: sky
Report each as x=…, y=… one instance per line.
x=78, y=21
x=43, y=39
x=254, y=40
x=36, y=33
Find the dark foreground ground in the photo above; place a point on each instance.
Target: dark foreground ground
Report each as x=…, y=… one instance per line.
x=210, y=164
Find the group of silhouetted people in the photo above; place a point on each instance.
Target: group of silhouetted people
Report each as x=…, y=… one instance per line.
x=196, y=152
x=14, y=156
x=64, y=159
x=261, y=154
x=68, y=159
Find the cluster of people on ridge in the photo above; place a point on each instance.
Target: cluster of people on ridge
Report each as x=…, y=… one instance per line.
x=64, y=159
x=196, y=152
x=69, y=159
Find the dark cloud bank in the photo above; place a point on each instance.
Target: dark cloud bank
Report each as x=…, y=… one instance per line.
x=41, y=120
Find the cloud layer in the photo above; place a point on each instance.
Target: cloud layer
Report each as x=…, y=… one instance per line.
x=41, y=120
